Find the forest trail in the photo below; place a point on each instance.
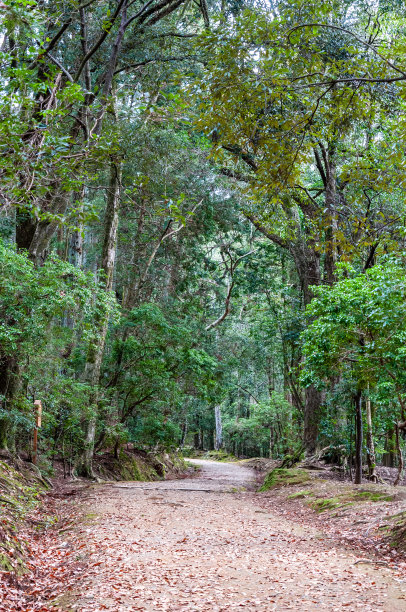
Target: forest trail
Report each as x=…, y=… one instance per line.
x=203, y=544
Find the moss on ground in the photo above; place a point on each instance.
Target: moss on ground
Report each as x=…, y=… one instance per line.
x=220, y=455
x=301, y=494
x=374, y=496
x=396, y=530
x=349, y=498
x=20, y=493
x=325, y=503
x=139, y=465
x=281, y=477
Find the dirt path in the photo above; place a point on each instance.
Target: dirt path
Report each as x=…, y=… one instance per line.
x=203, y=544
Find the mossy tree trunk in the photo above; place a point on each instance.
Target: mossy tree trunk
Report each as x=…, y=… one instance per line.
x=358, y=438
x=10, y=383
x=371, y=460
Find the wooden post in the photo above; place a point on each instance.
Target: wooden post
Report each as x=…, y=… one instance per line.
x=38, y=415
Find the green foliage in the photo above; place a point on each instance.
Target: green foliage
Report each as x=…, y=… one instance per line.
x=253, y=434
x=35, y=302
x=358, y=328
x=249, y=160
x=32, y=297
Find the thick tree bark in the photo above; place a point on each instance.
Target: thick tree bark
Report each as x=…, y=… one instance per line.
x=359, y=438
x=313, y=401
x=330, y=183
x=307, y=263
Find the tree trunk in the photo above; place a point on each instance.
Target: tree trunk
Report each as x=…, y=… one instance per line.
x=388, y=459
x=96, y=348
x=330, y=257
x=371, y=460
x=270, y=441
x=219, y=428
x=400, y=457
x=196, y=439
x=9, y=386
x=184, y=434
x=307, y=263
x=76, y=239
x=358, y=440
x=313, y=401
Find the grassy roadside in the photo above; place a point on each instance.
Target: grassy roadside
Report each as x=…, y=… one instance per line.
x=211, y=455
x=370, y=515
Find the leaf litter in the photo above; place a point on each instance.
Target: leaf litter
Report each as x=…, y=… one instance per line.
x=203, y=549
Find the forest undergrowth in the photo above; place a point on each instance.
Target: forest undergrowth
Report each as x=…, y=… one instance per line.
x=370, y=517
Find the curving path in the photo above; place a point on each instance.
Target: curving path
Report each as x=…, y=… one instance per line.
x=202, y=544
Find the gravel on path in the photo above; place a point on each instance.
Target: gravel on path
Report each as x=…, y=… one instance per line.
x=205, y=545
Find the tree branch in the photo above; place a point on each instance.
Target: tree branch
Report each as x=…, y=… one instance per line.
x=101, y=39
x=340, y=29
x=246, y=157
x=238, y=176
x=227, y=309
x=58, y=63
x=156, y=59
x=261, y=228
x=231, y=269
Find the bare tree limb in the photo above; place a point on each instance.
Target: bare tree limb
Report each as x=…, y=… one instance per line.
x=58, y=63
x=227, y=307
x=164, y=236
x=101, y=39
